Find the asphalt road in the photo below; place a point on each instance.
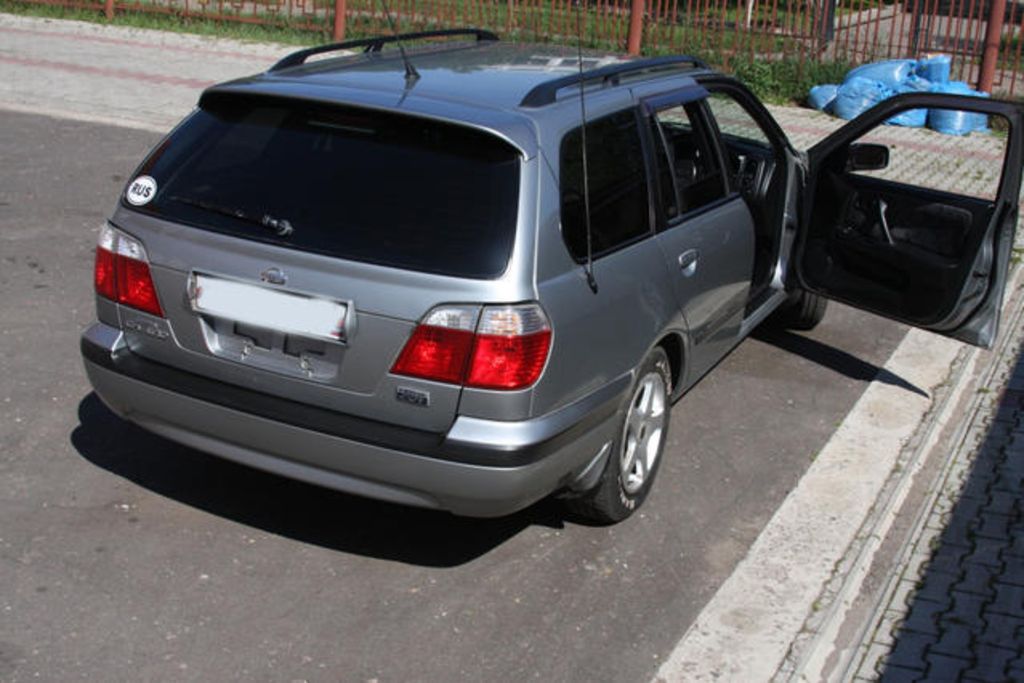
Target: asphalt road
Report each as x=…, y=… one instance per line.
x=127, y=557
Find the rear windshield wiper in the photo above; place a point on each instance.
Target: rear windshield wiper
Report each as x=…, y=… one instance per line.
x=281, y=226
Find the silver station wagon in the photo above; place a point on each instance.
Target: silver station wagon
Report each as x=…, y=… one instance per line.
x=421, y=279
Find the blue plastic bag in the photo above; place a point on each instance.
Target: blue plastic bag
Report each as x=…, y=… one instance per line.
x=949, y=122
x=953, y=122
x=915, y=83
x=980, y=120
x=822, y=96
x=935, y=69
x=857, y=95
x=890, y=73
x=869, y=84
x=912, y=118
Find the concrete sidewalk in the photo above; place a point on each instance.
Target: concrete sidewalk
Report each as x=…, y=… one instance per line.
x=149, y=79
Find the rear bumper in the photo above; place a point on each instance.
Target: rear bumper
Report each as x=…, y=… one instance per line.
x=479, y=468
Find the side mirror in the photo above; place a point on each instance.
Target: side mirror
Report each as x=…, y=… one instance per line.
x=867, y=157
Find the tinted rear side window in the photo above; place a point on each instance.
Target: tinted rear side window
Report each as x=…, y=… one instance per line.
x=618, y=186
x=380, y=188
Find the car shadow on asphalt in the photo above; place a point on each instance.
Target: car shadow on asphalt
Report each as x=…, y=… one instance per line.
x=293, y=509
x=834, y=359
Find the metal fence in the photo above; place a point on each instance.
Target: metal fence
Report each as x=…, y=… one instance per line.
x=722, y=31
x=853, y=31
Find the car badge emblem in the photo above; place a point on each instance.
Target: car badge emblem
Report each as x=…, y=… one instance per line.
x=274, y=276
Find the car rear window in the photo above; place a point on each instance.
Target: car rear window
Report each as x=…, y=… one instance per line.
x=380, y=188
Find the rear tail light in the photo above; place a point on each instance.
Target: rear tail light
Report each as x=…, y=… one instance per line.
x=103, y=274
x=511, y=347
x=122, y=272
x=440, y=345
x=497, y=347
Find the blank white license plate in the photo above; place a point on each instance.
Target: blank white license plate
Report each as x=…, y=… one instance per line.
x=302, y=315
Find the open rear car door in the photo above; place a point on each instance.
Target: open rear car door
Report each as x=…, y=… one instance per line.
x=933, y=256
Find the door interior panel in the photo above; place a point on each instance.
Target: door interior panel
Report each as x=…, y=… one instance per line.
x=893, y=248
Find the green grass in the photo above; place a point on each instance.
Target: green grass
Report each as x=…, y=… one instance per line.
x=787, y=81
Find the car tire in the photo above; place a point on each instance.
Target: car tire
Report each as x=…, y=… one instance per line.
x=803, y=310
x=636, y=452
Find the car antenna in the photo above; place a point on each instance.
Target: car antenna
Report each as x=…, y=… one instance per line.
x=588, y=269
x=411, y=74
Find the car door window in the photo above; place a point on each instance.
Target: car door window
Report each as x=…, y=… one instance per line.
x=617, y=179
x=749, y=153
x=689, y=173
x=735, y=122
x=968, y=166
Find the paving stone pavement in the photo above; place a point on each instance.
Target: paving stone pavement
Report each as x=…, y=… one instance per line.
x=957, y=611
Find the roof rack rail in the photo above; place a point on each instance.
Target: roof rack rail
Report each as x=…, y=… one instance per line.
x=376, y=44
x=546, y=93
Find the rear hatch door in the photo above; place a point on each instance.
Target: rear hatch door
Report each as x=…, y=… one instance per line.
x=295, y=246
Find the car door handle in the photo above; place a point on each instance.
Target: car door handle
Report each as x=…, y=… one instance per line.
x=882, y=208
x=688, y=262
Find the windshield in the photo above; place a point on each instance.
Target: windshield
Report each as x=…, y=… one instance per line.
x=368, y=186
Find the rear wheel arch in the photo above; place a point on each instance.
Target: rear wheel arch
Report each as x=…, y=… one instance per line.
x=628, y=472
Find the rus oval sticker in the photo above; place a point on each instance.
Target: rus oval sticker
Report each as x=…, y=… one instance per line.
x=141, y=190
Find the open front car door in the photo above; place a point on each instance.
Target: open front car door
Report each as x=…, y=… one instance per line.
x=914, y=225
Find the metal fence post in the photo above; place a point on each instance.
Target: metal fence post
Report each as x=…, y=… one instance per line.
x=993, y=32
x=636, y=26
x=108, y=9
x=339, y=19
x=828, y=22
